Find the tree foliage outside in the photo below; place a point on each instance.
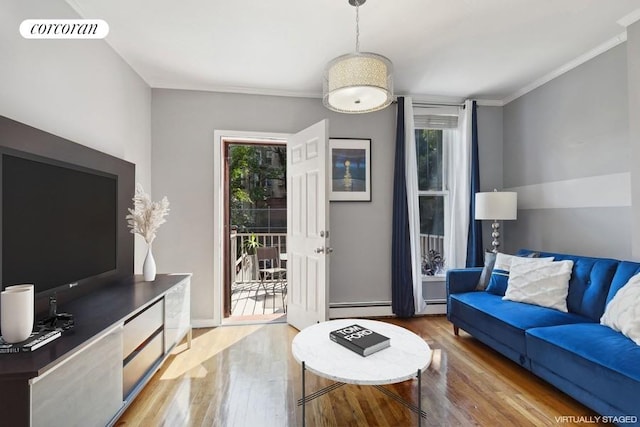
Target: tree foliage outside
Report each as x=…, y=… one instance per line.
x=429, y=152
x=257, y=175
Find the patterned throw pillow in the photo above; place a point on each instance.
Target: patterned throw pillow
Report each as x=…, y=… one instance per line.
x=541, y=283
x=500, y=274
x=622, y=314
x=489, y=261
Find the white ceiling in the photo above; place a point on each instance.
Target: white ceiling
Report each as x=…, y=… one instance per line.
x=485, y=49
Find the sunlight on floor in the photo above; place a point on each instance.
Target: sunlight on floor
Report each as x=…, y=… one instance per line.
x=436, y=359
x=177, y=412
x=204, y=347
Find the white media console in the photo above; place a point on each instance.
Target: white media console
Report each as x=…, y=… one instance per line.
x=123, y=333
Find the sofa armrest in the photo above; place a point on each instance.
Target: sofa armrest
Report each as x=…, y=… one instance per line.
x=462, y=280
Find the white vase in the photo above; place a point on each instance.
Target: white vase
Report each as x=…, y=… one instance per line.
x=16, y=308
x=149, y=266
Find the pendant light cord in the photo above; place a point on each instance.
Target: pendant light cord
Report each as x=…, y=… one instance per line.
x=357, y=26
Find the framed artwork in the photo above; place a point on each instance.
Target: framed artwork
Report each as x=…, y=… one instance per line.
x=350, y=171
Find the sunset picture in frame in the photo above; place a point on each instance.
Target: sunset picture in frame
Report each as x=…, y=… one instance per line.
x=350, y=171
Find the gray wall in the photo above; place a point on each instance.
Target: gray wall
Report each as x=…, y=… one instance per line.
x=490, y=157
x=183, y=124
x=566, y=144
x=78, y=89
x=633, y=79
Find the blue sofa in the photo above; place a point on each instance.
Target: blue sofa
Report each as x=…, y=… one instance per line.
x=590, y=362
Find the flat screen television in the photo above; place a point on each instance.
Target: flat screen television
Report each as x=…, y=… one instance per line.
x=58, y=223
x=62, y=214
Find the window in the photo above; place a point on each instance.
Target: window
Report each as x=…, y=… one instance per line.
x=432, y=197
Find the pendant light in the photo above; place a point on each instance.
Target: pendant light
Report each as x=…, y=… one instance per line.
x=358, y=82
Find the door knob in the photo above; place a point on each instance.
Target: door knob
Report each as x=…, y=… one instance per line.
x=329, y=250
x=319, y=250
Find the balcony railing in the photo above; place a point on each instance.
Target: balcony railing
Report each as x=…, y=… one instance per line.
x=431, y=242
x=242, y=264
x=243, y=269
x=250, y=295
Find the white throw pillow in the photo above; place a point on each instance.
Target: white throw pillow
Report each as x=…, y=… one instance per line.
x=502, y=266
x=622, y=314
x=542, y=283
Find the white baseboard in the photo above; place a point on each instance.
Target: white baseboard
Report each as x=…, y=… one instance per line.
x=203, y=323
x=344, y=310
x=359, y=311
x=434, y=309
x=375, y=309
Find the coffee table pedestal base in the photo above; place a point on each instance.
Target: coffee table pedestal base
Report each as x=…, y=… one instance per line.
x=416, y=409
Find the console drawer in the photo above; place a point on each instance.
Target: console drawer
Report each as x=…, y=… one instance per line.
x=141, y=327
x=84, y=390
x=140, y=363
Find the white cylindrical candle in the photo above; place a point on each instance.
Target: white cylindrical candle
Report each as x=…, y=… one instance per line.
x=16, y=313
x=16, y=287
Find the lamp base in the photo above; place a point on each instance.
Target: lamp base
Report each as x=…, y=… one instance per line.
x=495, y=234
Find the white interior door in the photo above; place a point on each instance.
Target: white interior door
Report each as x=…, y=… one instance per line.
x=308, y=229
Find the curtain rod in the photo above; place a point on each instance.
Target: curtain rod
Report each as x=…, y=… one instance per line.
x=433, y=104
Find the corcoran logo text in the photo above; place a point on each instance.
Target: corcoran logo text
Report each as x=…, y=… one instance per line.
x=64, y=29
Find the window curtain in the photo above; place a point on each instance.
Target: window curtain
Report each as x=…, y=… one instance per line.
x=413, y=207
x=459, y=144
x=406, y=277
x=475, y=254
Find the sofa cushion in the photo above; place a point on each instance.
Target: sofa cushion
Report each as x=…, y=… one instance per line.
x=609, y=358
x=544, y=284
x=623, y=311
x=506, y=321
x=500, y=274
x=589, y=284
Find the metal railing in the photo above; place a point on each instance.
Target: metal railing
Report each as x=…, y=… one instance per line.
x=243, y=268
x=432, y=265
x=243, y=262
x=431, y=242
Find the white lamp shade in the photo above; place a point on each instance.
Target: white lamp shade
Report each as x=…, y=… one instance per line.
x=497, y=205
x=358, y=82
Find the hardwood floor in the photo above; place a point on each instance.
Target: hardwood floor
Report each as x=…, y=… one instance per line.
x=246, y=376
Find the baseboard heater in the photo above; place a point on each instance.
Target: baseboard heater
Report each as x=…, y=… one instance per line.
x=378, y=308
x=377, y=304
x=360, y=304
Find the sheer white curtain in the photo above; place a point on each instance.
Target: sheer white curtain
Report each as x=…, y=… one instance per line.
x=411, y=176
x=459, y=144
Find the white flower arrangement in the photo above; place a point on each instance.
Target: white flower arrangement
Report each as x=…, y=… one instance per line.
x=146, y=216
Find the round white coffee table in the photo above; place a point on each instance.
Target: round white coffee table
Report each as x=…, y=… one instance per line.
x=406, y=358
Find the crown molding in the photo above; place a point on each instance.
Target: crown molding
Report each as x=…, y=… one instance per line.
x=629, y=19
x=609, y=44
x=490, y=102
x=75, y=6
x=236, y=89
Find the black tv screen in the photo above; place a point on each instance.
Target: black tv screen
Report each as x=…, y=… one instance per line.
x=59, y=223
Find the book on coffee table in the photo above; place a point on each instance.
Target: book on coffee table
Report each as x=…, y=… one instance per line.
x=360, y=340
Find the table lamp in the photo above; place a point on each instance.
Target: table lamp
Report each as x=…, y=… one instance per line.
x=496, y=205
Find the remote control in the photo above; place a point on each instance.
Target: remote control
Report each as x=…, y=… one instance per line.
x=42, y=340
